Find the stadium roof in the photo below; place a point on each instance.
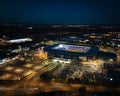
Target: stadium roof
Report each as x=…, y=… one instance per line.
x=54, y=49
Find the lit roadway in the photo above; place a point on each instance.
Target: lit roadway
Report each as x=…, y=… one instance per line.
x=33, y=85
x=47, y=87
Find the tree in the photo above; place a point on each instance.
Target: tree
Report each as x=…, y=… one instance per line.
x=47, y=77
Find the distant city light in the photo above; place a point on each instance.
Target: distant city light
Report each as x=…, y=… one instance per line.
x=29, y=28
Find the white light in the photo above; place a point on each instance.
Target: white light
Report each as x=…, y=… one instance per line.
x=111, y=79
x=61, y=45
x=20, y=40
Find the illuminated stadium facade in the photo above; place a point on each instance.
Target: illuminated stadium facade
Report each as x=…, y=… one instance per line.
x=72, y=51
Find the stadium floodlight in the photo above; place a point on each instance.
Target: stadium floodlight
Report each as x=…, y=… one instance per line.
x=61, y=45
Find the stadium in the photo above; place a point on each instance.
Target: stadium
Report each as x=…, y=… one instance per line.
x=70, y=51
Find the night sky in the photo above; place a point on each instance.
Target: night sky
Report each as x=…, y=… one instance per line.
x=60, y=11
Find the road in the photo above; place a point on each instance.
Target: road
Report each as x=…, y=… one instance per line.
x=32, y=85
x=48, y=87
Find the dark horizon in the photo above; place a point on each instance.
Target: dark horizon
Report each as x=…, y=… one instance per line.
x=59, y=24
